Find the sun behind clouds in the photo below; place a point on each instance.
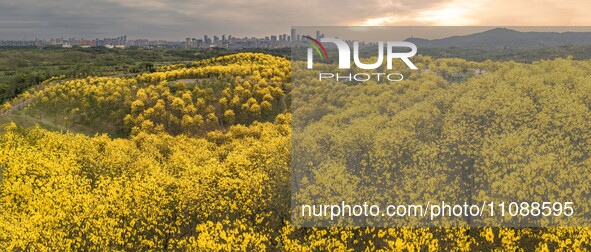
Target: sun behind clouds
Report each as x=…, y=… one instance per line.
x=489, y=12
x=455, y=13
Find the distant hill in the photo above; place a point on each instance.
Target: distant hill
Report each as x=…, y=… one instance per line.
x=507, y=38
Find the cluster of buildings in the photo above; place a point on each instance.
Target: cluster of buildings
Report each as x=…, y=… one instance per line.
x=223, y=41
x=272, y=41
x=119, y=42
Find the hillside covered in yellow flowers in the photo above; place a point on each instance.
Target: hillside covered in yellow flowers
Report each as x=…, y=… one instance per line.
x=198, y=157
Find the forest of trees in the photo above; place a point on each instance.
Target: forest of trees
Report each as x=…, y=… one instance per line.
x=24, y=67
x=459, y=132
x=198, y=157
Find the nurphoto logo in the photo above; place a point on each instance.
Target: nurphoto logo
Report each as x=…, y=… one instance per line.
x=344, y=58
x=345, y=53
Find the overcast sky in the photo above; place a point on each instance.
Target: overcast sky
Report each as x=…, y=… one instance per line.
x=177, y=19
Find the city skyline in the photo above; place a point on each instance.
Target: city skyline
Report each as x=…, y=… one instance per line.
x=223, y=40
x=360, y=33
x=366, y=35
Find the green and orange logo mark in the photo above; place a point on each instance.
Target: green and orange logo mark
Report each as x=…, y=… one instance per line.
x=323, y=55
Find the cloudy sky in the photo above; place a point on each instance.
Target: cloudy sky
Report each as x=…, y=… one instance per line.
x=177, y=19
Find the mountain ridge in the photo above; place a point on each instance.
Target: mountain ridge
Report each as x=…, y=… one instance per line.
x=506, y=38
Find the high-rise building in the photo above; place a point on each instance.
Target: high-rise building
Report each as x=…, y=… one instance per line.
x=206, y=40
x=317, y=34
x=293, y=34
